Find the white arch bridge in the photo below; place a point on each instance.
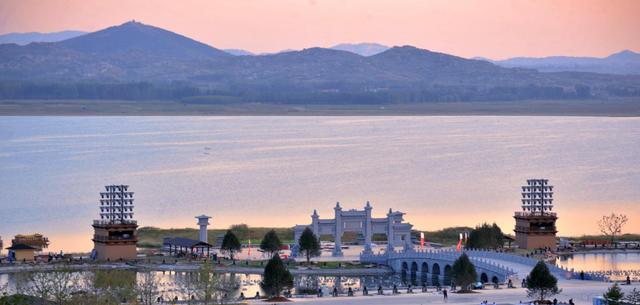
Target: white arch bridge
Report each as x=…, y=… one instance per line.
x=433, y=267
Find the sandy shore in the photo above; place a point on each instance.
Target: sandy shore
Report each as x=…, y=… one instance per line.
x=616, y=108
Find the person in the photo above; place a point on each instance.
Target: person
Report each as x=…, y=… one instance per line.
x=319, y=292
x=335, y=291
x=365, y=291
x=380, y=291
x=424, y=287
x=582, y=275
x=409, y=290
x=395, y=289
x=510, y=284
x=555, y=301
x=444, y=295
x=628, y=280
x=523, y=283
x=257, y=295
x=571, y=302
x=241, y=296
x=350, y=292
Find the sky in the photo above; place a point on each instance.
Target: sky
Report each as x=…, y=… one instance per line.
x=490, y=28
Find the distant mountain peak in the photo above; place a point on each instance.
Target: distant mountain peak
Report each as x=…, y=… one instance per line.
x=363, y=49
x=625, y=55
x=141, y=38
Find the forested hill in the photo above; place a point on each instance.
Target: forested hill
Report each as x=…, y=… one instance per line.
x=138, y=61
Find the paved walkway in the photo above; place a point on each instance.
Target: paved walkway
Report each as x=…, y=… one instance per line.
x=582, y=293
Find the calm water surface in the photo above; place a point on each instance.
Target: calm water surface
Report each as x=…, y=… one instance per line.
x=273, y=171
x=601, y=261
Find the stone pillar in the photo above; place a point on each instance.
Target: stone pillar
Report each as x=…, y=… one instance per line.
x=408, y=245
x=390, y=236
x=315, y=225
x=368, y=232
x=337, y=250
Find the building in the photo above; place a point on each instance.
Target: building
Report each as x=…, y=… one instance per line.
x=37, y=241
x=360, y=221
x=536, y=223
x=203, y=222
x=115, y=236
x=180, y=246
x=22, y=253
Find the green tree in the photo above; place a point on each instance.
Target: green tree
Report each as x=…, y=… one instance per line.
x=276, y=277
x=540, y=283
x=271, y=243
x=464, y=272
x=309, y=244
x=485, y=236
x=230, y=244
x=613, y=295
x=242, y=231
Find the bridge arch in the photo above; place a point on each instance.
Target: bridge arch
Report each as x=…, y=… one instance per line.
x=435, y=275
x=447, y=275
x=403, y=272
x=414, y=273
x=484, y=278
x=424, y=274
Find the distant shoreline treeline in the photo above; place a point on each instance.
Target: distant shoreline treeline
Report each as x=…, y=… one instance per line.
x=289, y=94
x=151, y=237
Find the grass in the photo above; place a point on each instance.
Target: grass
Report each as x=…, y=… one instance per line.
x=151, y=237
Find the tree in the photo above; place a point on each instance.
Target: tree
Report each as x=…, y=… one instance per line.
x=276, y=277
x=540, y=283
x=242, y=231
x=147, y=288
x=271, y=243
x=211, y=287
x=633, y=297
x=613, y=295
x=57, y=285
x=485, y=236
x=612, y=225
x=230, y=244
x=309, y=244
x=113, y=286
x=464, y=272
x=188, y=285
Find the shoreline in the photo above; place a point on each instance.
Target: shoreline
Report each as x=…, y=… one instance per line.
x=191, y=267
x=580, y=108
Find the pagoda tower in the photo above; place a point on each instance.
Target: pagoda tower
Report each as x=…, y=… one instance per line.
x=115, y=232
x=536, y=223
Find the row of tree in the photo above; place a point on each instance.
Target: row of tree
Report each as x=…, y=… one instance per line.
x=63, y=286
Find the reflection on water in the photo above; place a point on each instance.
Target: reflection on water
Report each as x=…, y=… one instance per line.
x=601, y=261
x=170, y=283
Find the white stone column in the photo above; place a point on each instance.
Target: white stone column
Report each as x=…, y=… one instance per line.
x=337, y=250
x=390, y=234
x=368, y=233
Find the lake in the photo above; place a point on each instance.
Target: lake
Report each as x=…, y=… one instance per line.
x=273, y=171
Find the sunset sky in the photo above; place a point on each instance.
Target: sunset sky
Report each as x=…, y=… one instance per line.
x=494, y=29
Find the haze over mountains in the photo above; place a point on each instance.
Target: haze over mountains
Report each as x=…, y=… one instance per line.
x=137, y=61
x=27, y=38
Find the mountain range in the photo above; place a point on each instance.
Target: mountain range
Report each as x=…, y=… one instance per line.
x=150, y=62
x=27, y=38
x=623, y=62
